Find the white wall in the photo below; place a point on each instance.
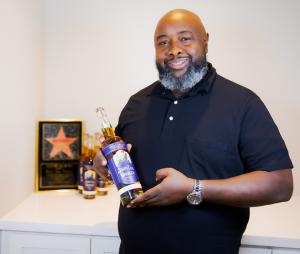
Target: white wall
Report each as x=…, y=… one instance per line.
x=100, y=52
x=21, y=80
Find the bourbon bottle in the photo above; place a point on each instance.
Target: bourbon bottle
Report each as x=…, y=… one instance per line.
x=89, y=173
x=81, y=162
x=119, y=162
x=101, y=184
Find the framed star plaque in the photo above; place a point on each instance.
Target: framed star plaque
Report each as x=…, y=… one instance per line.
x=59, y=148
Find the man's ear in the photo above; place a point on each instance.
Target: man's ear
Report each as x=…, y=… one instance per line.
x=206, y=42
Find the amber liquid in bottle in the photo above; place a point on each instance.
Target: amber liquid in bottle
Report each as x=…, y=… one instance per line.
x=119, y=162
x=102, y=186
x=89, y=173
x=82, y=157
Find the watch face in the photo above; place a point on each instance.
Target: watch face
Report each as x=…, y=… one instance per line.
x=194, y=198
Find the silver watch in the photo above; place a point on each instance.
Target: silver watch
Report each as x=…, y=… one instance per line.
x=195, y=197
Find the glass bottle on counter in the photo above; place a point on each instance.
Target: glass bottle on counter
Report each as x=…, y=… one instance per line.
x=89, y=173
x=101, y=184
x=81, y=162
x=102, y=189
x=119, y=162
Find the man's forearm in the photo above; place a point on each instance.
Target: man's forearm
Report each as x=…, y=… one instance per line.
x=250, y=189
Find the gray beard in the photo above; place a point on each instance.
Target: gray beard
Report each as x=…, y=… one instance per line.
x=194, y=74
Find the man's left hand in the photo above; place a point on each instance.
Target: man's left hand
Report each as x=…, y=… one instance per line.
x=173, y=188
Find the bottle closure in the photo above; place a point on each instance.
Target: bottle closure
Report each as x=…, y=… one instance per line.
x=106, y=127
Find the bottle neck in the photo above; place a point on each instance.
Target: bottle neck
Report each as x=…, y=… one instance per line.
x=90, y=146
x=108, y=132
x=106, y=127
x=90, y=153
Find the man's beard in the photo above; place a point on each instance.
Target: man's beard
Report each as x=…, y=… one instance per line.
x=195, y=72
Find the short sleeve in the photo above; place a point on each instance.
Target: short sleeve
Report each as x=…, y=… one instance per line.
x=261, y=145
x=122, y=118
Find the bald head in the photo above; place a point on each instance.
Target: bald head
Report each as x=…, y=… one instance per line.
x=181, y=46
x=182, y=16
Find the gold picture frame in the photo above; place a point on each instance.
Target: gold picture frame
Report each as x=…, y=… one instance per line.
x=58, y=150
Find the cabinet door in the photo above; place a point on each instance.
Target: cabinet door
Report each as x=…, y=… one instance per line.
x=287, y=251
x=254, y=250
x=105, y=245
x=14, y=242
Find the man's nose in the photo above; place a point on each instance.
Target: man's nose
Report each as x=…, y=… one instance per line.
x=174, y=49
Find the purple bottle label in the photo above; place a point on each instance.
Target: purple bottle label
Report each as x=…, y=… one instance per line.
x=89, y=178
x=114, y=147
x=81, y=175
x=122, y=169
x=100, y=182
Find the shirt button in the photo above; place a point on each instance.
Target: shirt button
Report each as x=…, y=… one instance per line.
x=175, y=102
x=171, y=118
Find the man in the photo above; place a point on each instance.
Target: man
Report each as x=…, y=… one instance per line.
x=205, y=148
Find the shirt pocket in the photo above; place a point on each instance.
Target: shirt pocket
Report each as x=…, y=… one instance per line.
x=210, y=159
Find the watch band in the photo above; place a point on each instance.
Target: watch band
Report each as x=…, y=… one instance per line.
x=195, y=197
x=197, y=185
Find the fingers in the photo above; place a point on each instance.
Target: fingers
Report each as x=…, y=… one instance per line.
x=99, y=159
x=152, y=201
x=149, y=198
x=161, y=174
x=100, y=163
x=103, y=173
x=172, y=188
x=153, y=196
x=129, y=146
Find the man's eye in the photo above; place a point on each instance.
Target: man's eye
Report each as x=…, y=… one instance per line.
x=162, y=43
x=185, y=38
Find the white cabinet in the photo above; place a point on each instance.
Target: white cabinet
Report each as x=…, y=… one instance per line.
x=37, y=226
x=267, y=250
x=14, y=242
x=105, y=245
x=17, y=242
x=285, y=251
x=1, y=241
x=20, y=242
x=254, y=250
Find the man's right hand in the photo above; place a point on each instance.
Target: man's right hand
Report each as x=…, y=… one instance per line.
x=100, y=164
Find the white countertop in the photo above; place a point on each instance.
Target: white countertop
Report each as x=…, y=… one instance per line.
x=68, y=212
x=65, y=212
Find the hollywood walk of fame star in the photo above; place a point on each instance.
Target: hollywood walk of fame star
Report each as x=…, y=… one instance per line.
x=61, y=143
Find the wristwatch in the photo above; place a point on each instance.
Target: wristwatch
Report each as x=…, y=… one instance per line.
x=195, y=197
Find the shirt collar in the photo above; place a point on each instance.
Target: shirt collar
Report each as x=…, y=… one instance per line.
x=202, y=87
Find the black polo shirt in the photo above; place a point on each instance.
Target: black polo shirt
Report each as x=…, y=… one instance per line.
x=217, y=130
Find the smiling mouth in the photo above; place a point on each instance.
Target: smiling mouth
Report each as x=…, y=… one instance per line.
x=178, y=63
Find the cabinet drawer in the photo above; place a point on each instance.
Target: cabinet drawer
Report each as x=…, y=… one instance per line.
x=14, y=242
x=254, y=250
x=105, y=245
x=287, y=251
